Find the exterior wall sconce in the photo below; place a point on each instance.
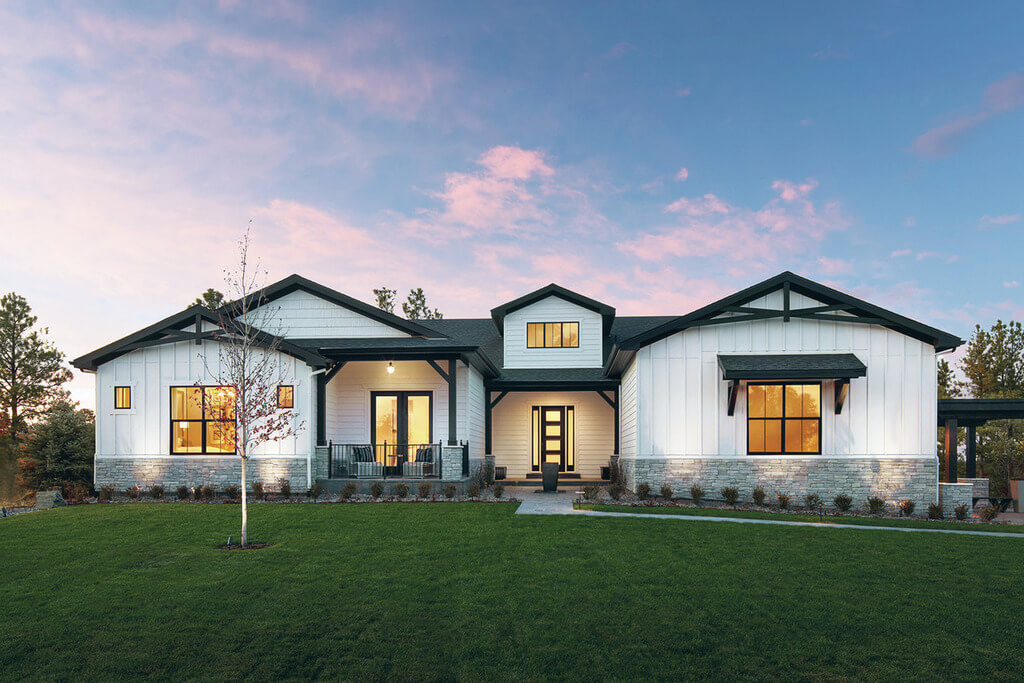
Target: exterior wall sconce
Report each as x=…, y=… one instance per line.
x=391, y=369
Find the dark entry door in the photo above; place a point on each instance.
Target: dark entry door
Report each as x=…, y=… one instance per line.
x=553, y=436
x=400, y=421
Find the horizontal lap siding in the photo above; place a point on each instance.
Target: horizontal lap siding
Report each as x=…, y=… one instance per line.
x=683, y=401
x=302, y=315
x=553, y=309
x=512, y=430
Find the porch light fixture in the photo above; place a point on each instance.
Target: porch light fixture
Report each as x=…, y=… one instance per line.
x=391, y=369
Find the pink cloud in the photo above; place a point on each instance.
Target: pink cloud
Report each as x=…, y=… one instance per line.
x=683, y=92
x=1000, y=97
x=683, y=174
x=833, y=266
x=1002, y=219
x=513, y=163
x=791, y=191
x=1010, y=284
x=910, y=221
x=900, y=252
x=700, y=206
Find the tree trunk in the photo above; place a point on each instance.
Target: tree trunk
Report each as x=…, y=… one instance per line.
x=245, y=511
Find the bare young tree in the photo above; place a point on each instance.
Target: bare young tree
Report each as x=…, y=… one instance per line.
x=249, y=370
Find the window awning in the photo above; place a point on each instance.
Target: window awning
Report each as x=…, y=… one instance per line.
x=791, y=366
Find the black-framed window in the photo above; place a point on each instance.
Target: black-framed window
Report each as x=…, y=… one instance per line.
x=122, y=398
x=202, y=420
x=285, y=396
x=553, y=335
x=783, y=418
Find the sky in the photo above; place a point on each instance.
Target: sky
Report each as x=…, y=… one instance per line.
x=653, y=156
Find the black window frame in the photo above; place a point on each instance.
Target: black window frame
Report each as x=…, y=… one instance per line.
x=117, y=390
x=203, y=421
x=291, y=405
x=782, y=420
x=544, y=333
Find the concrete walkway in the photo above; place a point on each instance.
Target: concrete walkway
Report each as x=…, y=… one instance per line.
x=536, y=502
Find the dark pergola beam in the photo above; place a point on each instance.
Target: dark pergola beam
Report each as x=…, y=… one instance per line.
x=610, y=401
x=972, y=451
x=334, y=370
x=433, y=364
x=321, y=409
x=842, y=391
x=453, y=418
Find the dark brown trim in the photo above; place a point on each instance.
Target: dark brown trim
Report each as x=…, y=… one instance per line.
x=118, y=404
x=734, y=390
x=842, y=390
x=402, y=425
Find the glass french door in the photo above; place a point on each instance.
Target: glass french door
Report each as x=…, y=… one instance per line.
x=400, y=421
x=554, y=436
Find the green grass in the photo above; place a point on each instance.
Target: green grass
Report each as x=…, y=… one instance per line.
x=801, y=517
x=471, y=591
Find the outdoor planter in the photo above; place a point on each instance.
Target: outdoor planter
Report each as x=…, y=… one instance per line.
x=549, y=473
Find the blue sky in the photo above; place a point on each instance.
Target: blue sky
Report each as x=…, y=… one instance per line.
x=480, y=150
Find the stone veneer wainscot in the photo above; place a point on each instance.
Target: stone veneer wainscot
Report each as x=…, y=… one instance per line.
x=198, y=471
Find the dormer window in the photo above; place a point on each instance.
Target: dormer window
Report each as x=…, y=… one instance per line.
x=553, y=335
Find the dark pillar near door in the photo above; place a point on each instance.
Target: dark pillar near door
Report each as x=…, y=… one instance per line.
x=452, y=403
x=487, y=422
x=972, y=451
x=321, y=409
x=951, y=451
x=616, y=421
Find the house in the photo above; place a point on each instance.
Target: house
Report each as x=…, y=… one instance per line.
x=788, y=384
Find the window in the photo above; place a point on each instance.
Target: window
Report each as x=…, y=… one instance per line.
x=552, y=335
x=286, y=396
x=122, y=398
x=202, y=420
x=783, y=418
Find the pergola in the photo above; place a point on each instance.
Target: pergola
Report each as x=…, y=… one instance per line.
x=972, y=413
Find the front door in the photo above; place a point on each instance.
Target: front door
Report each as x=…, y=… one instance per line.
x=400, y=421
x=554, y=437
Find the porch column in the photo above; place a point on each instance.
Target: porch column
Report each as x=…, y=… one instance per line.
x=616, y=420
x=972, y=451
x=321, y=409
x=951, y=450
x=487, y=422
x=452, y=403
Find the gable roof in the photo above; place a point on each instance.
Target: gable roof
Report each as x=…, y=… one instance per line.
x=498, y=313
x=857, y=310
x=169, y=330
x=294, y=283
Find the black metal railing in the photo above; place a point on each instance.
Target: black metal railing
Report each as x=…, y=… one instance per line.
x=384, y=460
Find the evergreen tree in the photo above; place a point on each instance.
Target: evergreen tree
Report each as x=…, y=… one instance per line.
x=385, y=299
x=211, y=298
x=58, y=449
x=949, y=387
x=416, y=308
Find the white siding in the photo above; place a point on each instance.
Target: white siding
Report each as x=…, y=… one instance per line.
x=627, y=411
x=474, y=414
x=512, y=430
x=145, y=431
x=553, y=309
x=682, y=400
x=302, y=315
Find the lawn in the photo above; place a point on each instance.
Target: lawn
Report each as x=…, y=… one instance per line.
x=470, y=591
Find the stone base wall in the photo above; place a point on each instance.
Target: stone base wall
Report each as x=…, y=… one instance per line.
x=953, y=495
x=321, y=455
x=979, y=484
x=891, y=479
x=190, y=471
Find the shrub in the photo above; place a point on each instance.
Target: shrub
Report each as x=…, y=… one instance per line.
x=285, y=486
x=590, y=492
x=616, y=474
x=731, y=495
x=401, y=490
x=258, y=490
x=449, y=491
x=73, y=492
x=935, y=511
x=105, y=494
x=696, y=494
x=232, y=492
x=643, y=491
x=615, y=491
x=156, y=492
x=813, y=501
x=783, y=500
x=961, y=512
x=425, y=488
x=183, y=493
x=499, y=490
x=473, y=490
x=906, y=507
x=376, y=489
x=843, y=502
x=133, y=492
x=349, y=490
x=315, y=491
x=876, y=505
x=206, y=492
x=758, y=495
x=666, y=492
x=988, y=513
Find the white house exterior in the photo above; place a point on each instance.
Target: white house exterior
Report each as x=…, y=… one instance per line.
x=787, y=385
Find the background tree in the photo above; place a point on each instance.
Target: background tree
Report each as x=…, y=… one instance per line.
x=211, y=298
x=249, y=370
x=416, y=308
x=58, y=449
x=31, y=368
x=949, y=386
x=385, y=299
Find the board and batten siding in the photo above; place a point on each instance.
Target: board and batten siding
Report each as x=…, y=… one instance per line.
x=512, y=430
x=348, y=400
x=553, y=309
x=301, y=315
x=627, y=411
x=144, y=430
x=682, y=400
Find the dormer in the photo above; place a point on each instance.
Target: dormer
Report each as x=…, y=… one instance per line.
x=553, y=327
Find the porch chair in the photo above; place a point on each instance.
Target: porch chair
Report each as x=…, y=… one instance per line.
x=365, y=464
x=423, y=465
